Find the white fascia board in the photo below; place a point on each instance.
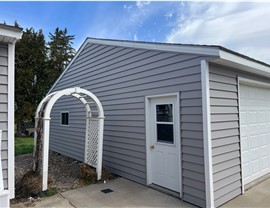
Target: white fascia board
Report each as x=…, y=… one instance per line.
x=70, y=63
x=241, y=63
x=191, y=49
x=10, y=33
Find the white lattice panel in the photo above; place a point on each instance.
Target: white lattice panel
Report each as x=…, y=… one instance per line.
x=92, y=143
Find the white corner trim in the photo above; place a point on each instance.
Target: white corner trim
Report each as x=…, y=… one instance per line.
x=207, y=134
x=148, y=135
x=239, y=117
x=4, y=199
x=11, y=77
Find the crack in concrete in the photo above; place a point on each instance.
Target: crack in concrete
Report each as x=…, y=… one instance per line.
x=67, y=200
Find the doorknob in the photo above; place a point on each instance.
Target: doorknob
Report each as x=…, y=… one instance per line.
x=152, y=146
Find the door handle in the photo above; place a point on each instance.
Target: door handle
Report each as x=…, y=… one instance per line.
x=152, y=146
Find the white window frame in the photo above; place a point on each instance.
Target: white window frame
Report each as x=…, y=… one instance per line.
x=61, y=121
x=165, y=122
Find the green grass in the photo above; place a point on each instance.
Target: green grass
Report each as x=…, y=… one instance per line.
x=23, y=145
x=50, y=192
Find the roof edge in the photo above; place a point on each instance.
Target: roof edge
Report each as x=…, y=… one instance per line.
x=220, y=54
x=179, y=48
x=242, y=62
x=168, y=47
x=11, y=31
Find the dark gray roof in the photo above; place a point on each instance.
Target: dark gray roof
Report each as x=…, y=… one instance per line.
x=190, y=45
x=10, y=27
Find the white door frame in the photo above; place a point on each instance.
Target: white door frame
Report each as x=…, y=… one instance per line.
x=148, y=135
x=242, y=80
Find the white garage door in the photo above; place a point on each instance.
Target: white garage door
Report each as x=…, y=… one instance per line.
x=255, y=131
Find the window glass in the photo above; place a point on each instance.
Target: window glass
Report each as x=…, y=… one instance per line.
x=164, y=113
x=165, y=133
x=64, y=118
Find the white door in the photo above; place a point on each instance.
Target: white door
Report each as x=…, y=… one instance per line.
x=164, y=142
x=255, y=131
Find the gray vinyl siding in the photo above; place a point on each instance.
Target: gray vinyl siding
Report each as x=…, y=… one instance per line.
x=121, y=78
x=225, y=131
x=4, y=109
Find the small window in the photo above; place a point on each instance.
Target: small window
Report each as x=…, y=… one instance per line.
x=64, y=118
x=164, y=113
x=164, y=123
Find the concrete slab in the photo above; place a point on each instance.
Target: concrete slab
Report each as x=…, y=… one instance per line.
x=55, y=201
x=125, y=194
x=257, y=196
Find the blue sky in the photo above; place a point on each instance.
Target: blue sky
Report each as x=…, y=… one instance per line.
x=243, y=27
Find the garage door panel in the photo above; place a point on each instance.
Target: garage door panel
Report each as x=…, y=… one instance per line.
x=246, y=171
x=244, y=144
x=254, y=141
x=264, y=140
x=255, y=166
x=243, y=115
x=255, y=131
x=265, y=162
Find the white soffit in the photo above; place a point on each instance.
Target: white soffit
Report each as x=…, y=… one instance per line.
x=7, y=35
x=241, y=63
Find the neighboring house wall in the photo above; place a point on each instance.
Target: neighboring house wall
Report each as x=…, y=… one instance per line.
x=4, y=109
x=121, y=78
x=225, y=131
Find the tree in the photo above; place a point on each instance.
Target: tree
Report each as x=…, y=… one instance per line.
x=38, y=65
x=31, y=75
x=60, y=52
x=37, y=68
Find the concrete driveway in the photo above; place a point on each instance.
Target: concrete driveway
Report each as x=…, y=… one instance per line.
x=258, y=196
x=125, y=194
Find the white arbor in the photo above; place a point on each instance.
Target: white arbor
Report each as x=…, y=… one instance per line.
x=93, y=133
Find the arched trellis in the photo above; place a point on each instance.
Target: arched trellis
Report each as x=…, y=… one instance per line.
x=93, y=135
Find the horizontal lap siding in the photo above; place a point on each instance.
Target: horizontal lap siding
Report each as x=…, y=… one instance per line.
x=69, y=140
x=225, y=134
x=4, y=109
x=226, y=131
x=121, y=78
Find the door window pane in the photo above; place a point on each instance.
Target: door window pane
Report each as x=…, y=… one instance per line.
x=164, y=113
x=165, y=133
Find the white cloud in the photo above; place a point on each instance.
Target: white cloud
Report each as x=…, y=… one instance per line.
x=135, y=37
x=140, y=4
x=243, y=27
x=169, y=15
x=128, y=7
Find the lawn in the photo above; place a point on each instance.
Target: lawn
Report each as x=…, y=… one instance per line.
x=24, y=145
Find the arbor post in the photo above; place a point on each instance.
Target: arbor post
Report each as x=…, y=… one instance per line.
x=45, y=158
